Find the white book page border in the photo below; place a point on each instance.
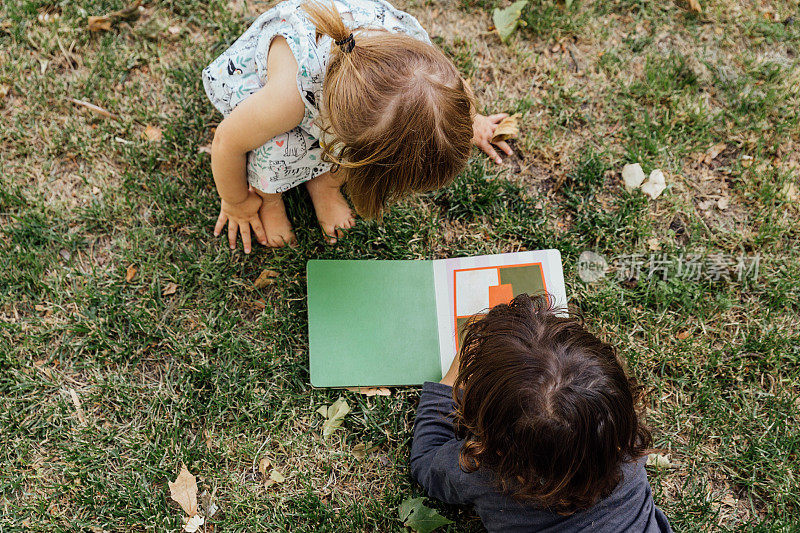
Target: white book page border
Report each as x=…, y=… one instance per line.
x=444, y=288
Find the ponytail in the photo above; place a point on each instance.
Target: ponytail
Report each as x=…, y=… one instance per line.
x=329, y=22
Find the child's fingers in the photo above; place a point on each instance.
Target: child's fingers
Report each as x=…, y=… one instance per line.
x=498, y=117
x=504, y=147
x=232, y=227
x=258, y=228
x=245, y=230
x=220, y=224
x=486, y=147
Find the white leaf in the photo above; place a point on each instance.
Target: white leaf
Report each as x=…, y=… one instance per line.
x=193, y=524
x=632, y=175
x=655, y=184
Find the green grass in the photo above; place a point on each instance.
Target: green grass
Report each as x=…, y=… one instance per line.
x=216, y=375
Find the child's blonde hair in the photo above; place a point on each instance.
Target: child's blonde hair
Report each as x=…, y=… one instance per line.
x=395, y=112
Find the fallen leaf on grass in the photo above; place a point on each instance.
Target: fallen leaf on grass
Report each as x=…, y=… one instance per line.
x=204, y=149
x=4, y=90
x=194, y=523
x=747, y=160
x=683, y=335
x=694, y=5
x=184, y=491
x=78, y=409
x=415, y=515
x=105, y=22
x=655, y=184
x=169, y=289
x=506, y=20
x=153, y=133
x=659, y=461
x=507, y=129
x=632, y=175
x=99, y=23
x=653, y=244
x=334, y=415
x=267, y=277
x=94, y=108
x=263, y=464
x=276, y=476
x=371, y=391
x=361, y=450
x=790, y=192
x=723, y=203
x=714, y=152
x=130, y=273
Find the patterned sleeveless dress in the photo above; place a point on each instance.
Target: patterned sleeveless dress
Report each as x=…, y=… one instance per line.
x=292, y=157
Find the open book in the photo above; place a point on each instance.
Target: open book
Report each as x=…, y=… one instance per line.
x=376, y=323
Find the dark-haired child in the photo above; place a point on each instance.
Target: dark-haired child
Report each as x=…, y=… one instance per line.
x=542, y=433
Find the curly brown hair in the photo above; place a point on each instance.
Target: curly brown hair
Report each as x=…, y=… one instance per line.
x=546, y=406
x=396, y=115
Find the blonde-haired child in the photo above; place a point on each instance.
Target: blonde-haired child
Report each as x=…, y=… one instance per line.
x=351, y=94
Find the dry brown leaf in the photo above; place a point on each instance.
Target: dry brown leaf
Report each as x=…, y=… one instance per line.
x=263, y=464
x=130, y=273
x=715, y=150
x=102, y=23
x=653, y=244
x=682, y=335
x=723, y=203
x=4, y=90
x=184, y=491
x=507, y=129
x=371, y=391
x=153, y=133
x=747, y=160
x=790, y=192
x=267, y=277
x=204, y=149
x=169, y=288
x=694, y=5
x=78, y=409
x=94, y=108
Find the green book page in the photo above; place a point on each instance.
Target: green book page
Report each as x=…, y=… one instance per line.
x=372, y=323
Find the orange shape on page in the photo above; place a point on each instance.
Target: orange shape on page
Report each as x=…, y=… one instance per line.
x=500, y=294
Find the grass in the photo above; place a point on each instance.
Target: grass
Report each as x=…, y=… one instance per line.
x=216, y=375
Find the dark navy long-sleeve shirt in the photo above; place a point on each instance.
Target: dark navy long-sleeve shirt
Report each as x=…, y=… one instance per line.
x=434, y=464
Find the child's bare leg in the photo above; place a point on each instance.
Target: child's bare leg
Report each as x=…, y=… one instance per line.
x=333, y=211
x=276, y=224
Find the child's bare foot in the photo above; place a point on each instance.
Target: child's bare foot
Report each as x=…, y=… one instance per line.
x=276, y=224
x=333, y=211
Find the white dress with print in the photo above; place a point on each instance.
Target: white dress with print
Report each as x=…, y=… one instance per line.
x=293, y=157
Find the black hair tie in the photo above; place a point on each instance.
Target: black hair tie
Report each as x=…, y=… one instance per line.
x=347, y=44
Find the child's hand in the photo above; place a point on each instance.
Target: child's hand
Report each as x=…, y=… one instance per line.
x=240, y=217
x=483, y=131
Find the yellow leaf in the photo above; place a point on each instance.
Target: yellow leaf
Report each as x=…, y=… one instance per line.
x=334, y=416
x=267, y=277
x=276, y=476
x=153, y=133
x=130, y=273
x=169, y=289
x=184, y=491
x=507, y=129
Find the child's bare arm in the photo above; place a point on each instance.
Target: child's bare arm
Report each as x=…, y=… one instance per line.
x=275, y=108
